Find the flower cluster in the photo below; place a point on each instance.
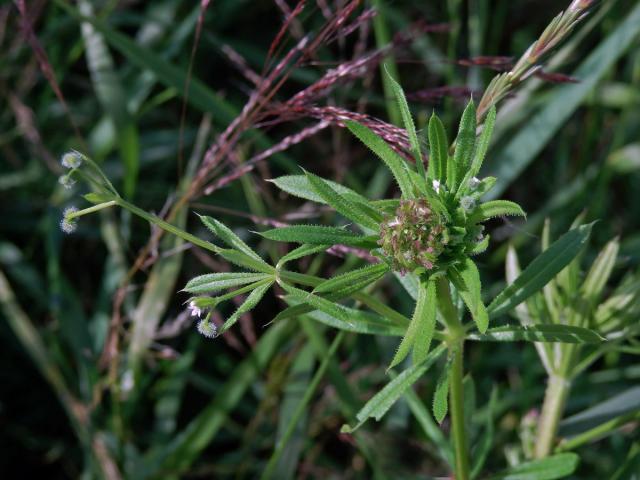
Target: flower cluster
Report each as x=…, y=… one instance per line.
x=414, y=238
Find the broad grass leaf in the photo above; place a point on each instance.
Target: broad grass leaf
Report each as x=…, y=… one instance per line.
x=319, y=235
x=213, y=282
x=439, y=150
x=539, y=333
x=382, y=401
x=394, y=162
x=351, y=210
x=621, y=404
x=550, y=468
x=541, y=270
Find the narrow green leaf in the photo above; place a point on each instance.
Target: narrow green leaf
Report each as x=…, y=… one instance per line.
x=421, y=328
x=483, y=142
x=465, y=143
x=600, y=271
x=302, y=251
x=539, y=333
x=495, y=208
x=250, y=302
x=427, y=325
x=550, y=468
x=394, y=162
x=441, y=393
x=407, y=120
x=381, y=402
x=230, y=238
x=299, y=186
x=351, y=210
x=470, y=291
x=243, y=260
x=541, y=270
x=368, y=274
x=339, y=316
x=439, y=146
x=363, y=323
x=319, y=235
x=213, y=282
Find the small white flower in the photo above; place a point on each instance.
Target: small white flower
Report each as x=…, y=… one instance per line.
x=71, y=160
x=195, y=310
x=436, y=186
x=473, y=183
x=69, y=210
x=207, y=328
x=68, y=226
x=468, y=203
x=66, y=181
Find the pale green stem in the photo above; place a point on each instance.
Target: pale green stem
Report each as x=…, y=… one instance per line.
x=95, y=208
x=555, y=399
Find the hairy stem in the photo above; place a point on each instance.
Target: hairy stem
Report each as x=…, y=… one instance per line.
x=555, y=399
x=456, y=389
x=458, y=431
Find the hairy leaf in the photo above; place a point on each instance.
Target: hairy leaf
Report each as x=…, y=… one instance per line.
x=213, y=282
x=470, y=291
x=394, y=162
x=465, y=143
x=495, y=208
x=368, y=274
x=420, y=331
x=227, y=236
x=250, y=302
x=407, y=120
x=351, y=210
x=441, y=393
x=319, y=235
x=439, y=150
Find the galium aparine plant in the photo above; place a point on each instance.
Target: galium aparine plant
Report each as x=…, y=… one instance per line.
x=428, y=238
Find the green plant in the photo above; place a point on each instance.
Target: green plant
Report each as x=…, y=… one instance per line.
x=427, y=237
x=577, y=298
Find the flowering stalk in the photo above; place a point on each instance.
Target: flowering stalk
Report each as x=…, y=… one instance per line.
x=529, y=62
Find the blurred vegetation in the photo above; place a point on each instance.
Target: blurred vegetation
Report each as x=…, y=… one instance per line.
x=103, y=374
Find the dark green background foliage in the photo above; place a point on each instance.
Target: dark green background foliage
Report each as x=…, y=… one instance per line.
x=113, y=379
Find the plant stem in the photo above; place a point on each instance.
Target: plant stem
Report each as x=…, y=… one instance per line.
x=555, y=398
x=455, y=337
x=456, y=393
